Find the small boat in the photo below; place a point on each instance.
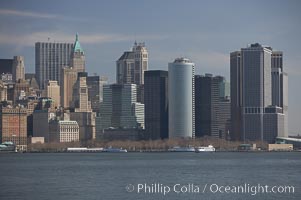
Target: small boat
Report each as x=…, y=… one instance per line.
x=115, y=150
x=181, y=149
x=210, y=148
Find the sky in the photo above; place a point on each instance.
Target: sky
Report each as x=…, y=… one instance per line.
x=204, y=31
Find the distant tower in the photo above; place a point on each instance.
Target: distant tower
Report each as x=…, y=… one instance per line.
x=18, y=69
x=141, y=62
x=181, y=110
x=78, y=56
x=131, y=65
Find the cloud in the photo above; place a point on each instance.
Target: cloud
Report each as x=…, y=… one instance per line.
x=27, y=14
x=31, y=38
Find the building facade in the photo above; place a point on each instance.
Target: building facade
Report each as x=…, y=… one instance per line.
x=52, y=90
x=63, y=131
x=13, y=126
x=181, y=105
x=120, y=108
x=212, y=107
x=130, y=67
x=156, y=104
x=80, y=97
x=255, y=90
x=50, y=58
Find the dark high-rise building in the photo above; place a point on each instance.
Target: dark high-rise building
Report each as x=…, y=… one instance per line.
x=212, y=111
x=258, y=85
x=156, y=104
x=236, y=95
x=95, y=88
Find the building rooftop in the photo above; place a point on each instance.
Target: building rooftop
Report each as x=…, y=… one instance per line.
x=182, y=60
x=77, y=47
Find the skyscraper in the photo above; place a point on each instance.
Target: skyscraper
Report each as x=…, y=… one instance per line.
x=69, y=77
x=131, y=65
x=212, y=107
x=181, y=112
x=120, y=108
x=50, y=58
x=156, y=104
x=251, y=81
x=78, y=56
x=69, y=73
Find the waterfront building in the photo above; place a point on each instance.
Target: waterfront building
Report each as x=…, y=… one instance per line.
x=13, y=126
x=63, y=131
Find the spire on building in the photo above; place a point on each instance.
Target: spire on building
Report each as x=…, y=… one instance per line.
x=77, y=47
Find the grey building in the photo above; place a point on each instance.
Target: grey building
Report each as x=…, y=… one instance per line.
x=156, y=104
x=50, y=58
x=212, y=107
x=181, y=110
x=253, y=91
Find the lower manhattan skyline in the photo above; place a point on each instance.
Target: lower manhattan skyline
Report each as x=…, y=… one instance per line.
x=203, y=31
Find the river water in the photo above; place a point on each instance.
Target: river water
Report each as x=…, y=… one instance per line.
x=105, y=176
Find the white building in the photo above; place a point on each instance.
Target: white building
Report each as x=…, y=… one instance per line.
x=63, y=131
x=181, y=99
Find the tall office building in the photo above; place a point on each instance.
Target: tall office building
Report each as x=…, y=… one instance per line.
x=181, y=112
x=52, y=90
x=236, y=95
x=130, y=67
x=94, y=84
x=212, y=106
x=50, y=58
x=69, y=77
x=156, y=104
x=78, y=56
x=251, y=81
x=80, y=99
x=69, y=73
x=120, y=108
